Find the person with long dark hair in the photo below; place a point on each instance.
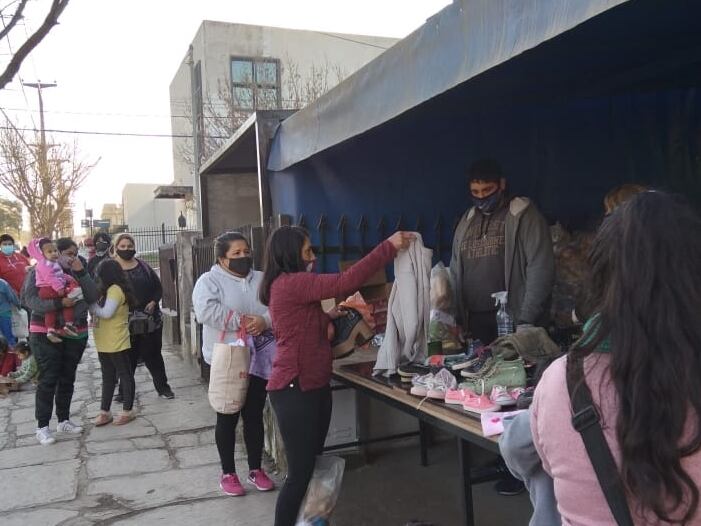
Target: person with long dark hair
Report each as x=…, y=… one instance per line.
x=111, y=329
x=299, y=384
x=148, y=343
x=641, y=357
x=226, y=299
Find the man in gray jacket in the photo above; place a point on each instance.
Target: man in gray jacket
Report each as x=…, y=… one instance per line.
x=501, y=243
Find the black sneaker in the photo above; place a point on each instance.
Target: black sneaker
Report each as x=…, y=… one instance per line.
x=509, y=486
x=167, y=394
x=408, y=371
x=351, y=331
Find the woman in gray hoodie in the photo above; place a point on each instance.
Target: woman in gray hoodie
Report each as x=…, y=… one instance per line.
x=225, y=299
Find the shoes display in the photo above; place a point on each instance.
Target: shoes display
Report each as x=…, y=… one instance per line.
x=456, y=396
x=231, y=485
x=475, y=349
x=439, y=385
x=420, y=384
x=478, y=403
x=480, y=366
x=410, y=370
x=507, y=373
x=350, y=331
x=505, y=397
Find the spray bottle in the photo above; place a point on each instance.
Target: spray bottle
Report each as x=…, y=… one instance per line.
x=505, y=325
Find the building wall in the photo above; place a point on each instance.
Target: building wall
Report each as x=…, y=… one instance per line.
x=141, y=210
x=237, y=195
x=216, y=42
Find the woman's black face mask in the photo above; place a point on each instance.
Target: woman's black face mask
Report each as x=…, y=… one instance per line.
x=241, y=266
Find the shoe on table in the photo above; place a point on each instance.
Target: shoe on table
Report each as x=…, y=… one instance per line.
x=505, y=397
x=167, y=394
x=457, y=396
x=507, y=373
x=469, y=358
x=478, y=404
x=68, y=427
x=260, y=480
x=351, y=332
x=411, y=370
x=231, y=485
x=442, y=381
x=104, y=418
x=483, y=363
x=420, y=384
x=509, y=486
x=44, y=436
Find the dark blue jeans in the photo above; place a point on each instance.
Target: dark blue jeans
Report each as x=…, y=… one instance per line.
x=6, y=330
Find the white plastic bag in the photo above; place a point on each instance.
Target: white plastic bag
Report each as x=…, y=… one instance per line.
x=442, y=326
x=322, y=492
x=20, y=323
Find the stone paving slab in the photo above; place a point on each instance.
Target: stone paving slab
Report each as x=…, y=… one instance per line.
x=129, y=462
x=44, y=517
x=38, y=454
x=109, y=446
x=38, y=485
x=197, y=456
x=157, y=489
x=138, y=428
x=174, y=421
x=23, y=415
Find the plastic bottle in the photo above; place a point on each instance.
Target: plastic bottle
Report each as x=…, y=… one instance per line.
x=505, y=325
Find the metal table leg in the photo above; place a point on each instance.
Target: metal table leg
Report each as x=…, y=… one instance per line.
x=466, y=481
x=423, y=440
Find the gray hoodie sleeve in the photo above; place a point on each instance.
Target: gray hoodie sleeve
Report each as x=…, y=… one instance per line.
x=208, y=308
x=536, y=244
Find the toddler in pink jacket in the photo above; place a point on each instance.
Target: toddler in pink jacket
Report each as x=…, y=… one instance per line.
x=54, y=283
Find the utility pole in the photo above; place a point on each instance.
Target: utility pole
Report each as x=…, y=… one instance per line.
x=39, y=85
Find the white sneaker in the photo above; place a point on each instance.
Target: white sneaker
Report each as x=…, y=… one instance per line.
x=442, y=382
x=45, y=437
x=68, y=427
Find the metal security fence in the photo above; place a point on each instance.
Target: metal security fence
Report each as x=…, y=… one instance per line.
x=149, y=240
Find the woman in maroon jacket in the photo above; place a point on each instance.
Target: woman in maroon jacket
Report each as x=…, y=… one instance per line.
x=299, y=385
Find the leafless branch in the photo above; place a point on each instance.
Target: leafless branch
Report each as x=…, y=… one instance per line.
x=57, y=7
x=15, y=18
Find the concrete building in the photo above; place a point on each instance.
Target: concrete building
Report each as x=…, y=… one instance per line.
x=142, y=210
x=231, y=70
x=114, y=213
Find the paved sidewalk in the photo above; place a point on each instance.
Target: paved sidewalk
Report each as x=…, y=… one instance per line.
x=161, y=468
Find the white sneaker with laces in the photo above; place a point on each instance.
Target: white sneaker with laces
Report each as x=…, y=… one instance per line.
x=68, y=427
x=45, y=437
x=441, y=383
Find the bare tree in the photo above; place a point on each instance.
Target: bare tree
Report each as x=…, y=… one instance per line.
x=223, y=112
x=10, y=216
x=51, y=19
x=44, y=182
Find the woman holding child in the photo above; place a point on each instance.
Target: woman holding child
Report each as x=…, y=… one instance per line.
x=57, y=360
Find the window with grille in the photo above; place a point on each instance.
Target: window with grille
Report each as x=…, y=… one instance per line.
x=255, y=83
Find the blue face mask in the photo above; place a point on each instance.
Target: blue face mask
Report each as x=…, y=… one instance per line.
x=8, y=250
x=489, y=204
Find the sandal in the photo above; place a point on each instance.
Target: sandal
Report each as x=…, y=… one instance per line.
x=103, y=419
x=124, y=418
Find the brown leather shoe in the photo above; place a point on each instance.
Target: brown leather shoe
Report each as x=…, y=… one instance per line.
x=124, y=418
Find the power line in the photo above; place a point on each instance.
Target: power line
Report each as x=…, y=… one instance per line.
x=117, y=134
x=351, y=40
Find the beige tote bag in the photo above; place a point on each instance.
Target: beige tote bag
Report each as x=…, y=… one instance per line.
x=228, y=375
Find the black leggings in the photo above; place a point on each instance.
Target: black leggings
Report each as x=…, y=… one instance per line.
x=116, y=365
x=148, y=347
x=303, y=418
x=253, y=435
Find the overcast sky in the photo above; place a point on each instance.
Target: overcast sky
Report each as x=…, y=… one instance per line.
x=113, y=61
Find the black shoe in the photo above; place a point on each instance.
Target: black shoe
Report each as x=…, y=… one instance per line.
x=350, y=332
x=410, y=370
x=119, y=398
x=509, y=486
x=168, y=394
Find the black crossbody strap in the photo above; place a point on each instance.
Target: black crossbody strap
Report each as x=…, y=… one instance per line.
x=587, y=422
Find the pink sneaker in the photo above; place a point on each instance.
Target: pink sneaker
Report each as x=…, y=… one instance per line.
x=457, y=396
x=479, y=404
x=231, y=485
x=260, y=480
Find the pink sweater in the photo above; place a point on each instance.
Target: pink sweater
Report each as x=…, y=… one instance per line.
x=48, y=273
x=579, y=497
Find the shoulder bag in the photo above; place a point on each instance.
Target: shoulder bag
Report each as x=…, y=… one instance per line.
x=587, y=421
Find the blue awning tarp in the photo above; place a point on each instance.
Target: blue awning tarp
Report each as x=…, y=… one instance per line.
x=462, y=41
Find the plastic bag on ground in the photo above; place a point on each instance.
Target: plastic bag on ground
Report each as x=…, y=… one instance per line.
x=322, y=492
x=442, y=325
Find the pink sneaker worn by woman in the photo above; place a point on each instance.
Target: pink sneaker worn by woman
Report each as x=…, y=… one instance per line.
x=260, y=480
x=231, y=485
